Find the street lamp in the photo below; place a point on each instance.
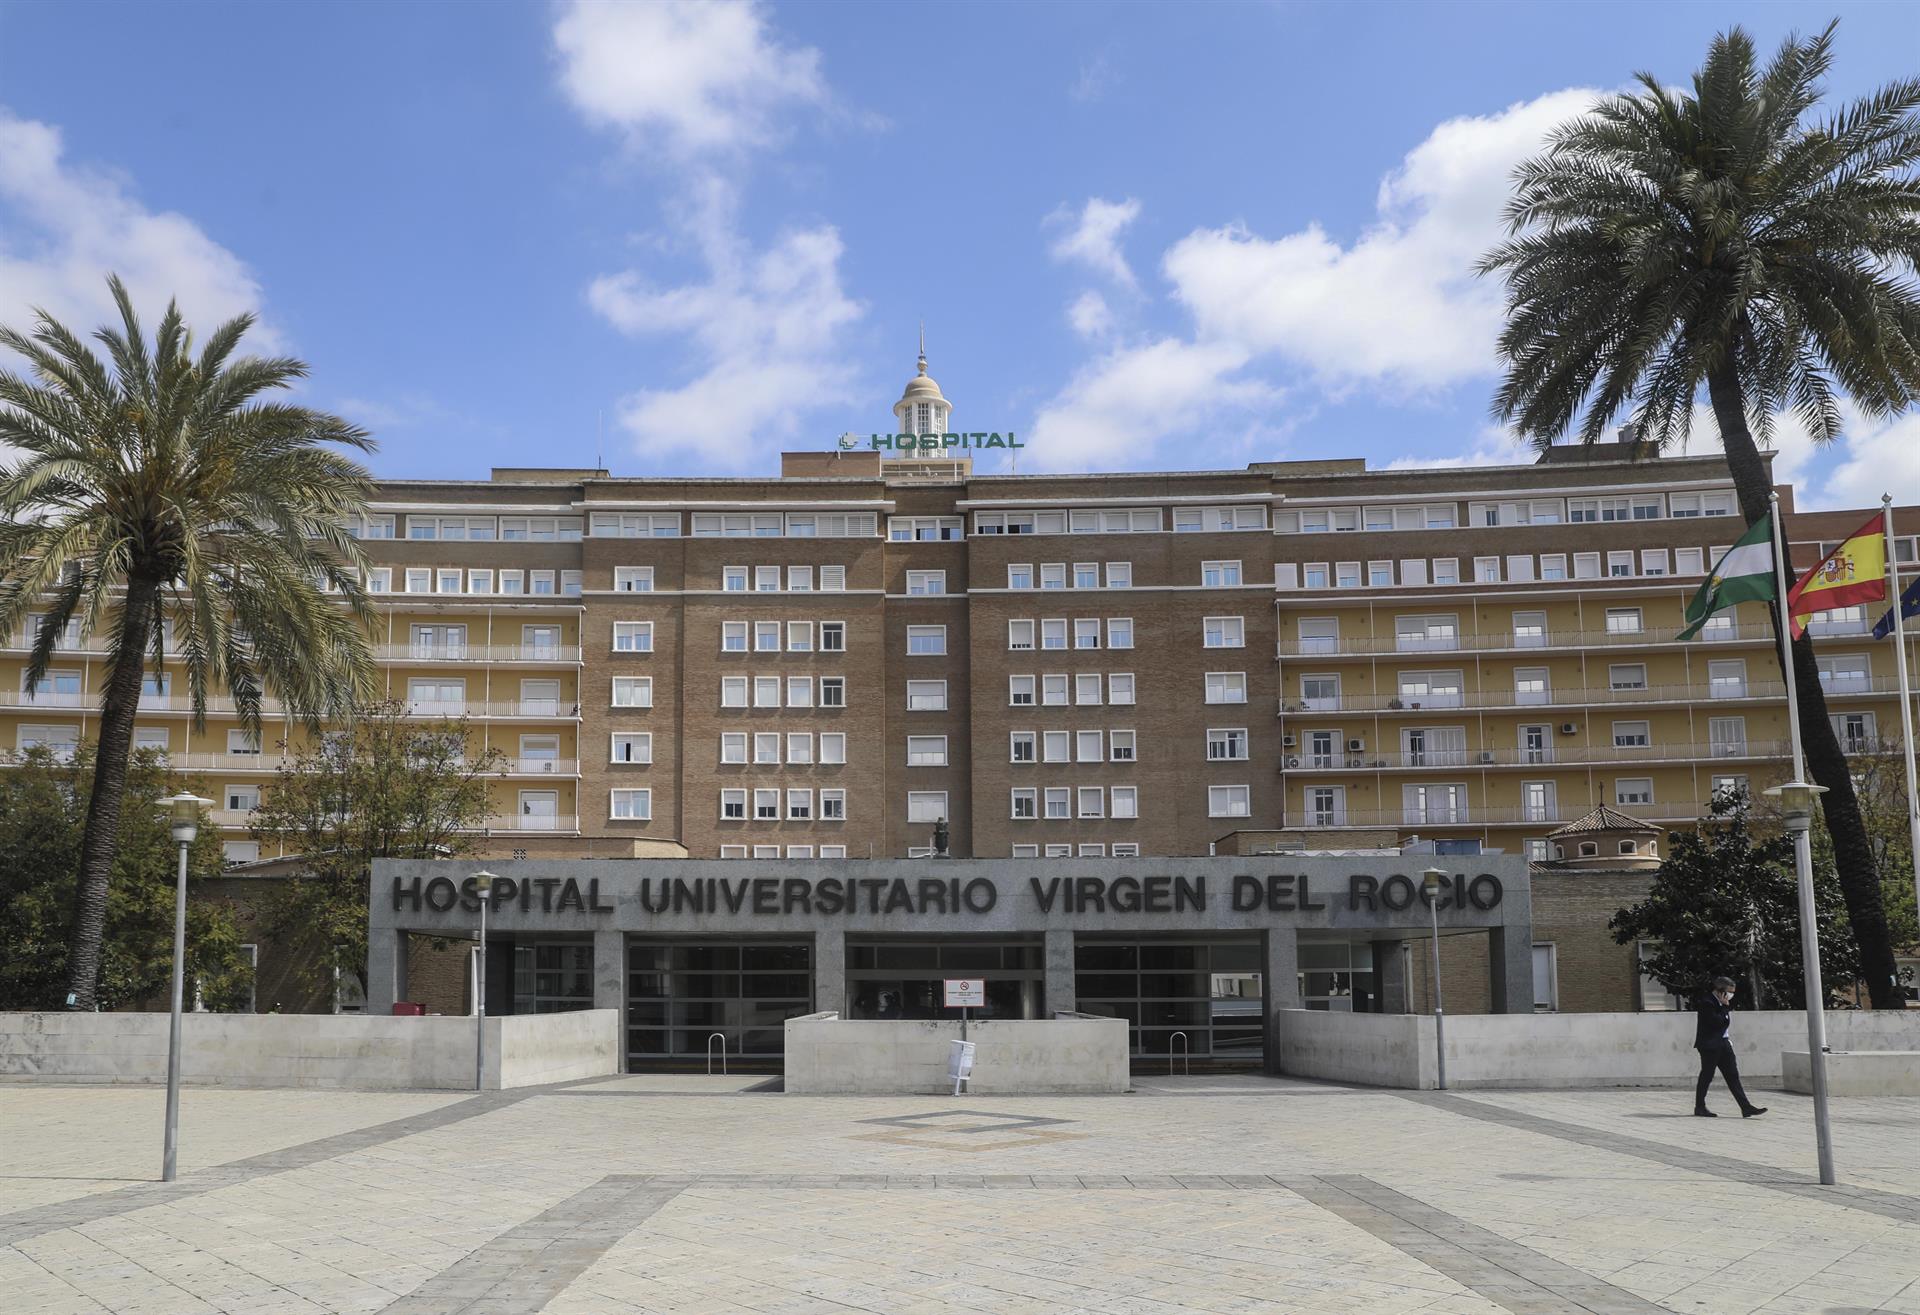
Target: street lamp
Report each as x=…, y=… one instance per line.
x=183, y=815
x=1433, y=880
x=482, y=882
x=1796, y=806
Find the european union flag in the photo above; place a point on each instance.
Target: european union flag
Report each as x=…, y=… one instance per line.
x=1909, y=606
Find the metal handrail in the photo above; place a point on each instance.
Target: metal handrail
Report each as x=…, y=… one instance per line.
x=722, y=1036
x=1186, y=1054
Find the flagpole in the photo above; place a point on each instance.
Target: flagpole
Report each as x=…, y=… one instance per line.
x=1906, y=697
x=1798, y=799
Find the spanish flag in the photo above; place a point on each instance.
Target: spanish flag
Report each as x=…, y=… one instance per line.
x=1855, y=572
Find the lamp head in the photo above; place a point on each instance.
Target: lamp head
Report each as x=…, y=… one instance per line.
x=183, y=815
x=483, y=881
x=1797, y=800
x=1433, y=879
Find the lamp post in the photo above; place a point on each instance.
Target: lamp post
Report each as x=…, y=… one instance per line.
x=483, y=883
x=1432, y=881
x=183, y=815
x=1796, y=804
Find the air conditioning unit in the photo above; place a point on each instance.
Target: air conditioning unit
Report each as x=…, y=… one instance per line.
x=1288, y=741
x=1356, y=746
x=1486, y=755
x=1293, y=761
x=1569, y=728
x=1356, y=762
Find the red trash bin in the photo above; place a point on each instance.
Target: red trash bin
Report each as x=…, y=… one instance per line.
x=408, y=1009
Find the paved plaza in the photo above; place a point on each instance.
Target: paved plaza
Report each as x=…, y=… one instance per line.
x=1202, y=1194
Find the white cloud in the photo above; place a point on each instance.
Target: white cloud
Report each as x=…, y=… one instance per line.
x=1090, y=315
x=1093, y=238
x=767, y=327
x=691, y=78
x=1133, y=396
x=1873, y=456
x=65, y=226
x=1495, y=447
x=1401, y=303
x=1095, y=79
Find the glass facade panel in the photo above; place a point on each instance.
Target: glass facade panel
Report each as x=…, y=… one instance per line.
x=679, y=995
x=1199, y=997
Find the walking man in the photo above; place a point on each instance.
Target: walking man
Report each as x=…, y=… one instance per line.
x=1712, y=1037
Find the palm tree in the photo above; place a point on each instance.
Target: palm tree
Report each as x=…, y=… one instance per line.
x=1668, y=241
x=155, y=489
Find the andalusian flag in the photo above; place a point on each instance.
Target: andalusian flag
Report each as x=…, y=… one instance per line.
x=1744, y=575
x=1855, y=572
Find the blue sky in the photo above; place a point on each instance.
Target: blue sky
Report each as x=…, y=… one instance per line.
x=684, y=237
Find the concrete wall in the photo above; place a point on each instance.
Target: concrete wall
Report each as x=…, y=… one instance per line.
x=1856, y=1073
x=829, y=1054
x=294, y=1050
x=1561, y=1050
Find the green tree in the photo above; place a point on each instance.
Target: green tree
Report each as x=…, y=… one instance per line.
x=1880, y=779
x=383, y=786
x=42, y=823
x=1669, y=243
x=1725, y=902
x=155, y=489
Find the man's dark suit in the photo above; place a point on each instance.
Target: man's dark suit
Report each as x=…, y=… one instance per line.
x=1716, y=1051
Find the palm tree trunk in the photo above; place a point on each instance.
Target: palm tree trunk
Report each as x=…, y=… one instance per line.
x=100, y=842
x=1826, y=762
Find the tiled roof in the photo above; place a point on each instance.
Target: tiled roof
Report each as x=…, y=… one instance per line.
x=1602, y=818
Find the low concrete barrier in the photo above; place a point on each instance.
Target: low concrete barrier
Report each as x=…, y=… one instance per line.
x=1560, y=1050
x=1855, y=1072
x=309, y=1050
x=829, y=1054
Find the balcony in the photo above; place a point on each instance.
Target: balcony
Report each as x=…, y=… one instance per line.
x=1509, y=641
x=538, y=709
x=454, y=652
x=1551, y=755
x=1415, y=818
x=523, y=822
x=1723, y=691
x=539, y=767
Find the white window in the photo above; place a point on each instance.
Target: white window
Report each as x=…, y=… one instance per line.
x=239, y=851
x=1120, y=687
x=632, y=747
x=907, y=529
x=1123, y=801
x=799, y=636
x=1531, y=686
x=1845, y=673
x=926, y=751
x=833, y=579
x=1219, y=575
x=1620, y=564
x=1059, y=802
x=1021, y=748
x=1089, y=746
x=1224, y=632
x=1086, y=632
x=1020, y=691
x=800, y=579
x=1538, y=802
x=1227, y=745
x=1433, y=804
x=1053, y=575
x=1020, y=636
x=926, y=695
x=1091, y=851
x=1319, y=634
x=1086, y=689
x=766, y=691
x=1026, y=851
x=1056, y=746
x=540, y=582
x=1486, y=570
x=1346, y=575
x=1086, y=575
x=833, y=808
x=733, y=691
x=1053, y=691
x=1380, y=575
x=1228, y=801
x=1627, y=676
x=1546, y=984
x=478, y=582
x=1689, y=561
x=1520, y=567
x=1019, y=575
x=1025, y=804
x=733, y=807
x=1092, y=801
x=925, y=583
x=833, y=636
x=1553, y=566
x=1120, y=574
x=1633, y=790
x=241, y=798
x=799, y=691
x=766, y=636
x=243, y=742
x=799, y=805
x=153, y=738
x=766, y=805
x=766, y=748
x=733, y=746
x=1053, y=634
x=1653, y=561
x=766, y=579
x=1226, y=686
x=733, y=579
x=1727, y=679
x=628, y=525
x=1623, y=621
x=1632, y=735
x=1318, y=693
x=420, y=579
x=1217, y=520
x=1529, y=629
x=833, y=748
x=733, y=636
x=633, y=636
x=926, y=641
x=1446, y=570
x=1417, y=634
x=570, y=583
x=1586, y=566
x=633, y=805
x=1727, y=736
x=926, y=805
x=511, y=582
x=766, y=851
x=1120, y=746
x=1856, y=731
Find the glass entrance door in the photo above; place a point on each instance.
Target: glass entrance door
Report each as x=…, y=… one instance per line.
x=1209, y=990
x=902, y=978
x=680, y=994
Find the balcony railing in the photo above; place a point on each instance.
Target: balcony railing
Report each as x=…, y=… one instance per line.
x=461, y=652
x=550, y=709
x=562, y=822
x=1477, y=815
x=1553, y=755
x=540, y=767
x=1722, y=691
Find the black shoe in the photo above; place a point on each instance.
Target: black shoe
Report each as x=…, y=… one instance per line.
x=1753, y=1111
x=1704, y=1113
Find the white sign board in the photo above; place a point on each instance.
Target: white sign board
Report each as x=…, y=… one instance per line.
x=960, y=1063
x=966, y=992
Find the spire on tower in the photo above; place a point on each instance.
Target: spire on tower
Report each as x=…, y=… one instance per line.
x=923, y=346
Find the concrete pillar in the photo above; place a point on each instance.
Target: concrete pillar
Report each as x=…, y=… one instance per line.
x=1280, y=983
x=386, y=971
x=830, y=971
x=610, y=976
x=1057, y=955
x=1390, y=976
x=1510, y=969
